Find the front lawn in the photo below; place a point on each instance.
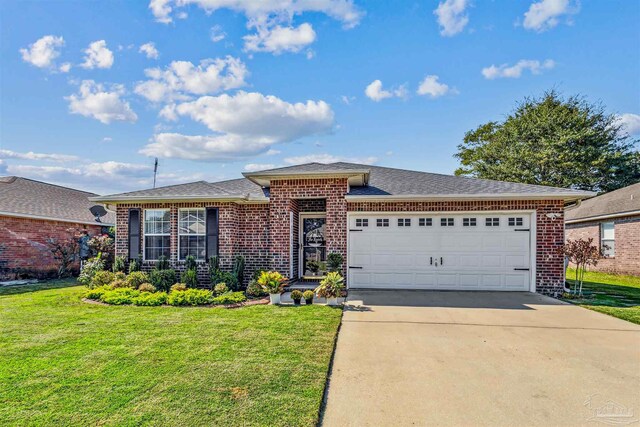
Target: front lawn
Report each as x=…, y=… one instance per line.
x=66, y=362
x=612, y=294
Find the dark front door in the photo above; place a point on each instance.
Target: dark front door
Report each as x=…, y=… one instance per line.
x=314, y=249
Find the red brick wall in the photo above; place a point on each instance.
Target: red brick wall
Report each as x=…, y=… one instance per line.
x=627, y=246
x=25, y=244
x=549, y=235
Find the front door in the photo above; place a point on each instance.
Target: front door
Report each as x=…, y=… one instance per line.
x=313, y=245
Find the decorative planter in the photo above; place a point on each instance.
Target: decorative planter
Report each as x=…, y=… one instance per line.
x=275, y=298
x=332, y=300
x=308, y=301
x=296, y=301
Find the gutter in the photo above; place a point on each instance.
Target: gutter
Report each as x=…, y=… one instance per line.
x=200, y=198
x=599, y=217
x=48, y=218
x=487, y=196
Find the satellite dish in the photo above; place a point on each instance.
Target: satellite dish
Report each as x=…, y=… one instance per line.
x=98, y=211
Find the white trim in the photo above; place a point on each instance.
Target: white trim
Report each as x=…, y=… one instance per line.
x=240, y=198
x=48, y=218
x=291, y=244
x=487, y=196
x=599, y=217
x=144, y=233
x=532, y=232
x=301, y=216
x=178, y=231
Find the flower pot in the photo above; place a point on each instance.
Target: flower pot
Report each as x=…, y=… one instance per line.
x=296, y=301
x=332, y=300
x=275, y=298
x=308, y=301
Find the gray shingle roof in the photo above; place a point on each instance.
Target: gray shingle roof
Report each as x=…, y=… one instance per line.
x=24, y=196
x=623, y=200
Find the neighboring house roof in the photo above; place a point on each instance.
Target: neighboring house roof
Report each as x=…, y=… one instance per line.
x=621, y=202
x=24, y=197
x=366, y=182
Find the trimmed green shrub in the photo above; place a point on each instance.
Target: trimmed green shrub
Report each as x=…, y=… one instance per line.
x=238, y=269
x=255, y=290
x=220, y=289
x=227, y=278
x=90, y=268
x=96, y=293
x=162, y=279
x=150, y=299
x=162, y=263
x=308, y=296
x=146, y=287
x=190, y=297
x=230, y=298
x=190, y=263
x=119, y=296
x=117, y=284
x=119, y=264
x=134, y=265
x=214, y=265
x=178, y=287
x=296, y=295
x=189, y=278
x=120, y=276
x=102, y=278
x=137, y=278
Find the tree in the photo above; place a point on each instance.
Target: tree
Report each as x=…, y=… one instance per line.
x=553, y=141
x=64, y=250
x=582, y=253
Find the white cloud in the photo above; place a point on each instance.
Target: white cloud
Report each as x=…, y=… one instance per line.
x=278, y=39
x=375, y=92
x=451, y=16
x=217, y=34
x=94, y=100
x=545, y=14
x=107, y=139
x=328, y=158
x=8, y=154
x=97, y=55
x=245, y=124
x=255, y=167
x=272, y=152
x=347, y=99
x=43, y=52
x=432, y=87
x=180, y=79
x=630, y=122
x=65, y=68
x=515, y=71
x=150, y=50
x=3, y=167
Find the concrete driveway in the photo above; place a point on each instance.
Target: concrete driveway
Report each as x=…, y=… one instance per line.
x=481, y=358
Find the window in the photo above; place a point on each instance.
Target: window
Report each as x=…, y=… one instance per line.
x=362, y=222
x=425, y=222
x=608, y=239
x=492, y=222
x=446, y=222
x=468, y=222
x=192, y=237
x=382, y=222
x=157, y=234
x=404, y=222
x=515, y=222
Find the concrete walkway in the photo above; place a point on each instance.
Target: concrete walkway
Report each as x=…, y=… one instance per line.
x=481, y=358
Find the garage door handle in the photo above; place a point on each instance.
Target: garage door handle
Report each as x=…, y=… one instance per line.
x=521, y=269
x=441, y=263
x=355, y=229
x=431, y=260
x=358, y=268
x=521, y=229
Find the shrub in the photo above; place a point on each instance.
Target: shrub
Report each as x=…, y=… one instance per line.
x=179, y=287
x=134, y=265
x=190, y=297
x=227, y=278
x=96, y=293
x=238, y=269
x=190, y=263
x=296, y=295
x=272, y=282
x=90, y=268
x=308, y=295
x=137, y=278
x=214, y=265
x=120, y=276
x=150, y=299
x=162, y=279
x=103, y=246
x=334, y=261
x=101, y=278
x=220, y=289
x=119, y=296
x=146, y=287
x=255, y=290
x=189, y=278
x=162, y=264
x=119, y=264
x=331, y=285
x=117, y=283
x=230, y=298
x=257, y=273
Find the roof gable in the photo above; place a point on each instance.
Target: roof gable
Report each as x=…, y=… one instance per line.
x=615, y=202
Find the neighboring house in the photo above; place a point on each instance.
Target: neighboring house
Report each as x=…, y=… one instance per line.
x=611, y=220
x=31, y=212
x=395, y=228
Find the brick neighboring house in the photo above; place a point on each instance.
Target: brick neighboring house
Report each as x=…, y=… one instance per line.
x=611, y=219
x=32, y=212
x=395, y=228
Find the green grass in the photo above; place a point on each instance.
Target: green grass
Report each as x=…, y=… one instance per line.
x=612, y=294
x=66, y=362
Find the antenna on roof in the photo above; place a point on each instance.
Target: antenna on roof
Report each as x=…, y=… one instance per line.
x=98, y=211
x=155, y=171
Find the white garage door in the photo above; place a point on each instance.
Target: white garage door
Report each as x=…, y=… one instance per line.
x=440, y=251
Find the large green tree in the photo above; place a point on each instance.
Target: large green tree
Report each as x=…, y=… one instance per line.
x=553, y=141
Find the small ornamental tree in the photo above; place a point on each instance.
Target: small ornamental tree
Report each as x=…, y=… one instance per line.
x=582, y=253
x=64, y=250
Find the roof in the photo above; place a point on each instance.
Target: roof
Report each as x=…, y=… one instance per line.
x=614, y=203
x=35, y=199
x=375, y=182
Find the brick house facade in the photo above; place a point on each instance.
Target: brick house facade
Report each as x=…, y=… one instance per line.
x=260, y=217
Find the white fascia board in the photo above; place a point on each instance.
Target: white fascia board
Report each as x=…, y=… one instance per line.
x=166, y=199
x=488, y=196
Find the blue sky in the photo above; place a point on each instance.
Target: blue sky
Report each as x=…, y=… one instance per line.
x=92, y=91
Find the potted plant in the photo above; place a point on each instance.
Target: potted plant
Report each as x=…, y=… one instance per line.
x=308, y=297
x=296, y=296
x=331, y=287
x=272, y=282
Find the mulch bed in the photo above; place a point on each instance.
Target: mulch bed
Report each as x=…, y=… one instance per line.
x=261, y=301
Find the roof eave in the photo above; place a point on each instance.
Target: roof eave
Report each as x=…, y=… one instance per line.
x=263, y=179
x=567, y=197
x=603, y=216
x=115, y=199
x=49, y=218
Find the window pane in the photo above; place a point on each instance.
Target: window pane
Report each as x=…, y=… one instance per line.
x=156, y=246
x=157, y=221
x=608, y=231
x=191, y=221
x=193, y=245
x=608, y=248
